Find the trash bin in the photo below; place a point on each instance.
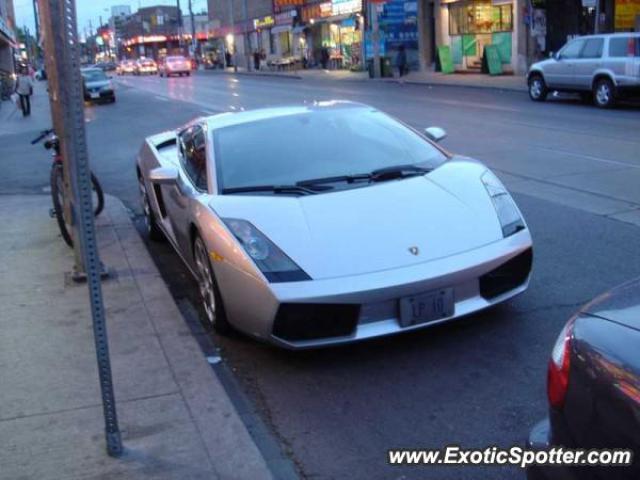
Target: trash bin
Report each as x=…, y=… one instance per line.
x=386, y=67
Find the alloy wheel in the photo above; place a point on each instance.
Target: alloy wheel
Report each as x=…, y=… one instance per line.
x=603, y=93
x=536, y=88
x=146, y=207
x=205, y=280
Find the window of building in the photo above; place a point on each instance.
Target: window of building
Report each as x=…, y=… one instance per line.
x=479, y=16
x=194, y=156
x=624, y=47
x=592, y=48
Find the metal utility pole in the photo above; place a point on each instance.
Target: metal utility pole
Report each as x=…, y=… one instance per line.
x=245, y=37
x=375, y=39
x=62, y=47
x=179, y=23
x=233, y=35
x=36, y=21
x=194, y=41
x=596, y=24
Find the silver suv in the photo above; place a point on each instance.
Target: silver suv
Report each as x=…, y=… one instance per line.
x=601, y=68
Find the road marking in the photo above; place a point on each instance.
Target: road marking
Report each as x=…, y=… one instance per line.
x=588, y=157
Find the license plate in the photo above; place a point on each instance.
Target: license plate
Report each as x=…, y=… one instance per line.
x=426, y=307
x=95, y=94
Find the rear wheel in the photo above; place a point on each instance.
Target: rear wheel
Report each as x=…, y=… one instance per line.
x=151, y=225
x=209, y=292
x=604, y=93
x=537, y=88
x=57, y=197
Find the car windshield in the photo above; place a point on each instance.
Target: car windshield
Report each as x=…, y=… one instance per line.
x=94, y=75
x=316, y=144
x=175, y=59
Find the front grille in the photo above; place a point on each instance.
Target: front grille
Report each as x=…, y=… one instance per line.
x=507, y=276
x=305, y=321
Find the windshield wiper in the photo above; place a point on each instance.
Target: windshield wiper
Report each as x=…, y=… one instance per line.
x=397, y=171
x=291, y=189
x=340, y=178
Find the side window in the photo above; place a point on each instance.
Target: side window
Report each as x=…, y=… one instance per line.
x=592, y=48
x=624, y=47
x=572, y=50
x=193, y=156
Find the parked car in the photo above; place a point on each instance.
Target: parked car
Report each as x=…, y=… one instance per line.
x=146, y=66
x=106, y=66
x=599, y=67
x=593, y=386
x=126, y=66
x=97, y=86
x=174, y=65
x=305, y=243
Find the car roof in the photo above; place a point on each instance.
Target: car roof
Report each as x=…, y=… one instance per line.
x=91, y=69
x=612, y=35
x=229, y=119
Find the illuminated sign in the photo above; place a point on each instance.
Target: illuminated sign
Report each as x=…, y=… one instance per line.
x=344, y=7
x=264, y=22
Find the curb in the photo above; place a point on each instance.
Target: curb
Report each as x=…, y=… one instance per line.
x=427, y=83
x=233, y=446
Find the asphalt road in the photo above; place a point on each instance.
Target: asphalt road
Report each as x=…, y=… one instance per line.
x=476, y=382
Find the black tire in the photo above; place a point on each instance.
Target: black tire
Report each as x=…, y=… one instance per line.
x=154, y=232
x=188, y=74
x=99, y=200
x=538, y=90
x=209, y=291
x=604, y=93
x=57, y=196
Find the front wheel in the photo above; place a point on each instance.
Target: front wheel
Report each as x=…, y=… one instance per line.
x=57, y=197
x=537, y=88
x=209, y=292
x=604, y=93
x=153, y=230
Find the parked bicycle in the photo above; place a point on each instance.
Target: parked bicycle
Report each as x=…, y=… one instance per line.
x=57, y=185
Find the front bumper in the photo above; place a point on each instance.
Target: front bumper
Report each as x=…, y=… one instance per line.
x=377, y=294
x=540, y=439
x=102, y=95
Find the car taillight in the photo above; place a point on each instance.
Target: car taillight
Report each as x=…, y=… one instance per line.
x=558, y=371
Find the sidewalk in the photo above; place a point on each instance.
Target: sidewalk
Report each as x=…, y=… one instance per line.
x=12, y=121
x=472, y=80
x=176, y=418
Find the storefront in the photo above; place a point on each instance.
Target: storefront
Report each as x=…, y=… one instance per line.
x=285, y=44
x=7, y=44
x=334, y=33
x=467, y=26
x=398, y=28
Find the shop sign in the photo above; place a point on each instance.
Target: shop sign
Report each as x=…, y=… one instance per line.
x=345, y=7
x=287, y=3
x=319, y=10
x=626, y=13
x=264, y=22
x=286, y=18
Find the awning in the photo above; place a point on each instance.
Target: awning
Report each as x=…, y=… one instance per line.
x=281, y=28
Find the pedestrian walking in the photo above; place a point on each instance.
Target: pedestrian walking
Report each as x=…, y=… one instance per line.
x=401, y=61
x=24, y=89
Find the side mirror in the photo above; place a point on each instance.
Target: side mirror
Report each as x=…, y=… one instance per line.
x=552, y=54
x=164, y=175
x=435, y=134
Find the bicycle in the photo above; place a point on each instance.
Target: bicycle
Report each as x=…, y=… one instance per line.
x=57, y=185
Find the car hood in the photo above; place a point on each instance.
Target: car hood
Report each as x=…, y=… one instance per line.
x=374, y=228
x=97, y=84
x=541, y=64
x=621, y=304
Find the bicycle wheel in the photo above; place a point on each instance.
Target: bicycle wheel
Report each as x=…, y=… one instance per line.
x=57, y=196
x=98, y=195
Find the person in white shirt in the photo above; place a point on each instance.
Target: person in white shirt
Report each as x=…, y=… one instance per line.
x=24, y=88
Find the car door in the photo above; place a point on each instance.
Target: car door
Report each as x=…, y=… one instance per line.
x=560, y=74
x=588, y=63
x=192, y=183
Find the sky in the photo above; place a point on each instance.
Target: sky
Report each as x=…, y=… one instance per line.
x=91, y=10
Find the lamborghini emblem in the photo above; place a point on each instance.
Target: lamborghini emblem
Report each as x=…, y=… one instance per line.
x=414, y=250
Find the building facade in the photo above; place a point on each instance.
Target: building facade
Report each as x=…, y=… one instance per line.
x=7, y=37
x=152, y=32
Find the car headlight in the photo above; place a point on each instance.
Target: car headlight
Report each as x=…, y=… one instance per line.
x=508, y=214
x=107, y=87
x=272, y=262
